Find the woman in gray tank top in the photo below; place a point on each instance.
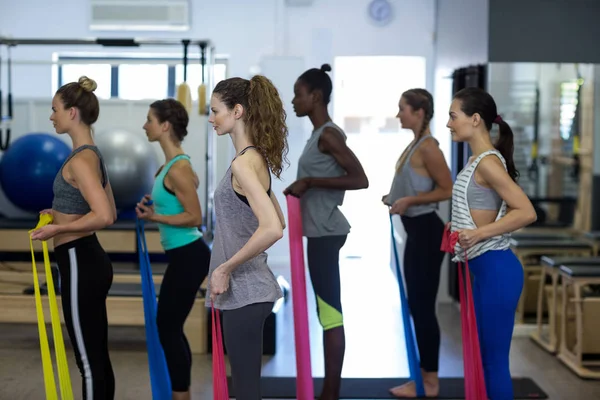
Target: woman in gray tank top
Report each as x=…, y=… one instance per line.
x=326, y=169
x=421, y=181
x=248, y=220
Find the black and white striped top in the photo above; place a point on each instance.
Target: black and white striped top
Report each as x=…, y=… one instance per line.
x=461, y=214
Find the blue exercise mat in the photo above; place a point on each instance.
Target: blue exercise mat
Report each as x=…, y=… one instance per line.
x=409, y=336
x=159, y=373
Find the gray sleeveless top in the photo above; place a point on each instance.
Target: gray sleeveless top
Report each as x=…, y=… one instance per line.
x=320, y=213
x=408, y=183
x=252, y=282
x=67, y=198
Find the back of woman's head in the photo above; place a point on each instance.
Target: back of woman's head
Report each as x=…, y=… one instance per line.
x=81, y=95
x=420, y=99
x=173, y=112
x=318, y=79
x=264, y=115
x=478, y=101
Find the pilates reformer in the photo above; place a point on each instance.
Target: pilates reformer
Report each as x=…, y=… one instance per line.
x=550, y=340
x=530, y=250
x=579, y=346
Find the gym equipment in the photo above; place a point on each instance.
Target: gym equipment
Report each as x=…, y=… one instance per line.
x=159, y=373
x=585, y=306
x=202, y=88
x=473, y=366
x=66, y=391
x=8, y=119
x=220, y=388
x=304, y=383
x=131, y=163
x=529, y=252
x=184, y=96
x=379, y=388
x=28, y=169
x=550, y=269
x=409, y=332
x=209, y=216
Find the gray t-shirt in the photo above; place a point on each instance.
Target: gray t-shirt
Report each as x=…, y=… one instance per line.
x=320, y=213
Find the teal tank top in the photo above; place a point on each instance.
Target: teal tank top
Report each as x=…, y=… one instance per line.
x=166, y=203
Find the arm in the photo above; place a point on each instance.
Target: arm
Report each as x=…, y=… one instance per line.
x=437, y=168
x=278, y=209
x=181, y=179
x=88, y=182
x=520, y=210
x=269, y=225
x=332, y=142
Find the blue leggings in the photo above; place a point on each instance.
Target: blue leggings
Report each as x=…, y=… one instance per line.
x=497, y=285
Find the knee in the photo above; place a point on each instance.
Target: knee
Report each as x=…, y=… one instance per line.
x=329, y=316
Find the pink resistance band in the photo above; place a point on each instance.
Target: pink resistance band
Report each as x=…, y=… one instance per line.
x=304, y=380
x=473, y=366
x=220, y=388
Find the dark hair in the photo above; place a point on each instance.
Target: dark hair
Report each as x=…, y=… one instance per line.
x=81, y=96
x=173, y=112
x=318, y=79
x=264, y=115
x=420, y=99
x=478, y=101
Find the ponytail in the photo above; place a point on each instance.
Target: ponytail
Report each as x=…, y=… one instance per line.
x=477, y=101
x=505, y=145
x=264, y=116
x=266, y=122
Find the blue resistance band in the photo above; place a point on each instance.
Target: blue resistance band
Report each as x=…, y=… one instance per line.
x=159, y=373
x=409, y=336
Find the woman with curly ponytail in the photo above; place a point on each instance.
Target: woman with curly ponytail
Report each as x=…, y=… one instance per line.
x=249, y=221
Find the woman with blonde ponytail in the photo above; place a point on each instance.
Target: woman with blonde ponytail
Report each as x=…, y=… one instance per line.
x=421, y=181
x=249, y=221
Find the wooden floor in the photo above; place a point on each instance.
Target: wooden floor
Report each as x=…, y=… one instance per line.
x=375, y=347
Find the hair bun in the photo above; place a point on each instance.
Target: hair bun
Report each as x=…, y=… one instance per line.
x=325, y=67
x=87, y=84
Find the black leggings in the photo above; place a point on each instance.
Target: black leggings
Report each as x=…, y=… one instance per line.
x=188, y=266
x=243, y=331
x=323, y=255
x=86, y=276
x=422, y=265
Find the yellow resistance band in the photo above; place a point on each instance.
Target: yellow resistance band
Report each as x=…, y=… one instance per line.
x=66, y=391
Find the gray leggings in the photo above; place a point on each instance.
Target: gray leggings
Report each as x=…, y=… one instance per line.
x=243, y=331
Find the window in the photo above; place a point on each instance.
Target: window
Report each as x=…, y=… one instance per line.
x=143, y=81
x=101, y=73
x=136, y=78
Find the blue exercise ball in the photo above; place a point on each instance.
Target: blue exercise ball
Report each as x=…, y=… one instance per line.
x=28, y=169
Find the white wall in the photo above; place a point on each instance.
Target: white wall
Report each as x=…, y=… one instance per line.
x=244, y=32
x=461, y=40
x=250, y=35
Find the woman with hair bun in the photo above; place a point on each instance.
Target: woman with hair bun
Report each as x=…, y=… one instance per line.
x=83, y=204
x=326, y=169
x=177, y=211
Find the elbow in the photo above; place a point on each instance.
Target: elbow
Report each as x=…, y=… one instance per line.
x=108, y=219
x=447, y=193
x=274, y=233
x=196, y=221
x=531, y=216
x=363, y=182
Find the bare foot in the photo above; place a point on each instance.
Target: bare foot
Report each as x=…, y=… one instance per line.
x=409, y=389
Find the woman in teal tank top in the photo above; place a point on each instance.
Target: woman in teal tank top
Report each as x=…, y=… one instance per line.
x=176, y=209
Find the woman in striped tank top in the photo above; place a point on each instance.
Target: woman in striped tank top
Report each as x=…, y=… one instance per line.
x=487, y=205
